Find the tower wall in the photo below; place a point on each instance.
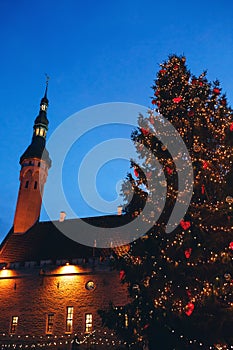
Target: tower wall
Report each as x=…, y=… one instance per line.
x=33, y=176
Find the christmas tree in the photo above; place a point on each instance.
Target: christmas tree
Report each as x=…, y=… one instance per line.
x=180, y=282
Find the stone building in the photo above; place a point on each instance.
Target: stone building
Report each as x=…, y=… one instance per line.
x=52, y=287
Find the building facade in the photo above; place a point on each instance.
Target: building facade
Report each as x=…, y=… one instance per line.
x=52, y=287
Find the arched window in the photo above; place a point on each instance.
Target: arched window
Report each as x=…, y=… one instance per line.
x=26, y=184
x=35, y=185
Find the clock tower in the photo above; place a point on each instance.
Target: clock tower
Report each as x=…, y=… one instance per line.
x=35, y=163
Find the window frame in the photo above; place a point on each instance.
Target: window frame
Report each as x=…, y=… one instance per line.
x=88, y=322
x=14, y=324
x=50, y=323
x=69, y=319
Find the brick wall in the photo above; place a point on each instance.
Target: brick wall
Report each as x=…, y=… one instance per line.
x=32, y=293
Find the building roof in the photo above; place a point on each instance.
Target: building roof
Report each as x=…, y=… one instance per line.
x=36, y=150
x=45, y=241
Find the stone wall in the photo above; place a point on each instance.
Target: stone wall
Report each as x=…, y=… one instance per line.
x=34, y=292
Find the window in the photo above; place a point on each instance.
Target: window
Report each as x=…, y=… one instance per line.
x=69, y=318
x=35, y=185
x=14, y=324
x=26, y=184
x=38, y=164
x=50, y=323
x=88, y=323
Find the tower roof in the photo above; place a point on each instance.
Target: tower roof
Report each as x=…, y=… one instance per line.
x=37, y=147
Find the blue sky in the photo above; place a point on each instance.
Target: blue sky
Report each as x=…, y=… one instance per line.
x=96, y=52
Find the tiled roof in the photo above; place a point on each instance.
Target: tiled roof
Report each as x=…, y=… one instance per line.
x=45, y=241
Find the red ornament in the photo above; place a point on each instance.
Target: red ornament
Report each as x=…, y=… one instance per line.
x=223, y=102
x=153, y=102
x=185, y=224
x=177, y=99
x=190, y=113
x=205, y=164
x=122, y=275
x=152, y=121
x=200, y=83
x=136, y=173
x=162, y=71
x=176, y=66
x=169, y=170
x=146, y=326
x=145, y=131
x=231, y=245
x=194, y=81
x=216, y=91
x=156, y=93
x=158, y=103
x=189, y=309
x=231, y=127
x=189, y=294
x=202, y=189
x=187, y=253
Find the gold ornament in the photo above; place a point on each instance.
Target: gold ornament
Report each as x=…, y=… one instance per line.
x=196, y=148
x=164, y=147
x=229, y=199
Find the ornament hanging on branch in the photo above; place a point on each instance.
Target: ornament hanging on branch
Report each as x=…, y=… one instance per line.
x=190, y=113
x=145, y=131
x=196, y=148
x=185, y=224
x=189, y=309
x=162, y=71
x=229, y=199
x=122, y=275
x=216, y=91
x=177, y=99
x=136, y=173
x=202, y=189
x=187, y=253
x=169, y=170
x=205, y=164
x=227, y=276
x=152, y=121
x=164, y=147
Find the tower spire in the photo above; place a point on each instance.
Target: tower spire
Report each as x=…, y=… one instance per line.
x=35, y=162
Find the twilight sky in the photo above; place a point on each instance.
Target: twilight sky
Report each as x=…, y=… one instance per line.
x=95, y=52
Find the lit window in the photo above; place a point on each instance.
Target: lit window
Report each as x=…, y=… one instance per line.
x=37, y=131
x=50, y=323
x=88, y=323
x=43, y=107
x=41, y=132
x=26, y=184
x=69, y=318
x=14, y=324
